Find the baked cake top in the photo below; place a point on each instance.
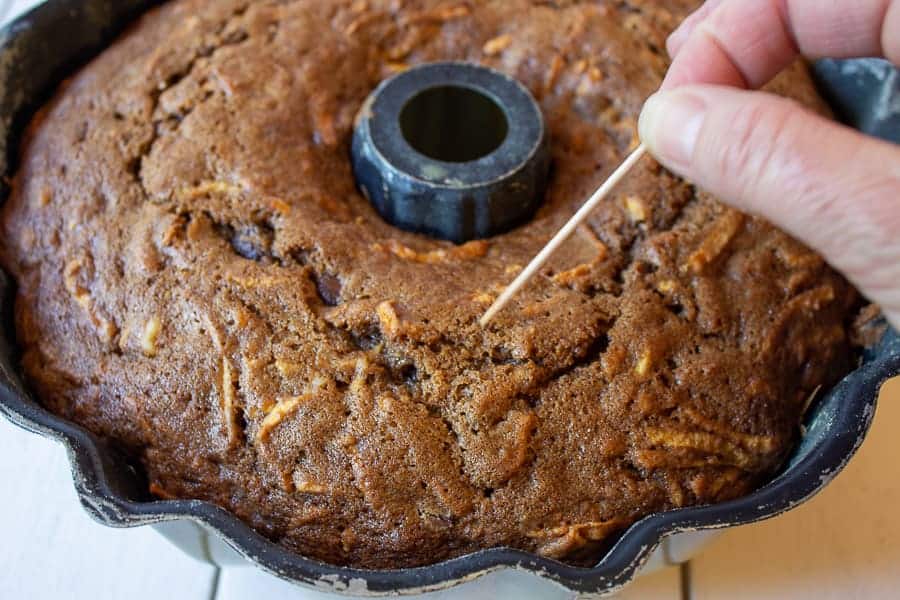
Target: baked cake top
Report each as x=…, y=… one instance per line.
x=200, y=282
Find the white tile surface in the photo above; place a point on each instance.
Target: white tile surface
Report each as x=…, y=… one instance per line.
x=11, y=8
x=243, y=583
x=844, y=544
x=51, y=549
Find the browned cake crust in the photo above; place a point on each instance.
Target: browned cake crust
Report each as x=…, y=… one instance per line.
x=200, y=282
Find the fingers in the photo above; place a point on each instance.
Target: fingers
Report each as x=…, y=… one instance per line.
x=827, y=185
x=740, y=43
x=680, y=35
x=747, y=42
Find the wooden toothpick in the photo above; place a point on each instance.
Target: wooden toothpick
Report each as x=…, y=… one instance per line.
x=564, y=233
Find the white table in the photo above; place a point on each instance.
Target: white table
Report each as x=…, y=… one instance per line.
x=843, y=544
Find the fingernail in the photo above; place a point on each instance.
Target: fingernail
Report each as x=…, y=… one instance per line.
x=670, y=126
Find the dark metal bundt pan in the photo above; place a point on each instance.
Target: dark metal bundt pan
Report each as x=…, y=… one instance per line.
x=36, y=52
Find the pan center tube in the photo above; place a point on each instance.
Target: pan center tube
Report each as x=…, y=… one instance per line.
x=452, y=150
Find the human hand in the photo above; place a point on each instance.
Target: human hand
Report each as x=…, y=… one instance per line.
x=829, y=186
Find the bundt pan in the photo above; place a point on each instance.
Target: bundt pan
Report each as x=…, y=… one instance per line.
x=38, y=50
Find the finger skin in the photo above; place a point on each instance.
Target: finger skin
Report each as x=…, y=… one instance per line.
x=680, y=35
x=829, y=186
x=745, y=43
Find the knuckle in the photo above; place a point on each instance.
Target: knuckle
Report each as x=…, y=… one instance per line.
x=878, y=198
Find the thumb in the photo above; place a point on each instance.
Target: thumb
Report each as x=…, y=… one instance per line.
x=829, y=186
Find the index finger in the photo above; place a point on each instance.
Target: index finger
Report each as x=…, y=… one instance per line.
x=745, y=43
